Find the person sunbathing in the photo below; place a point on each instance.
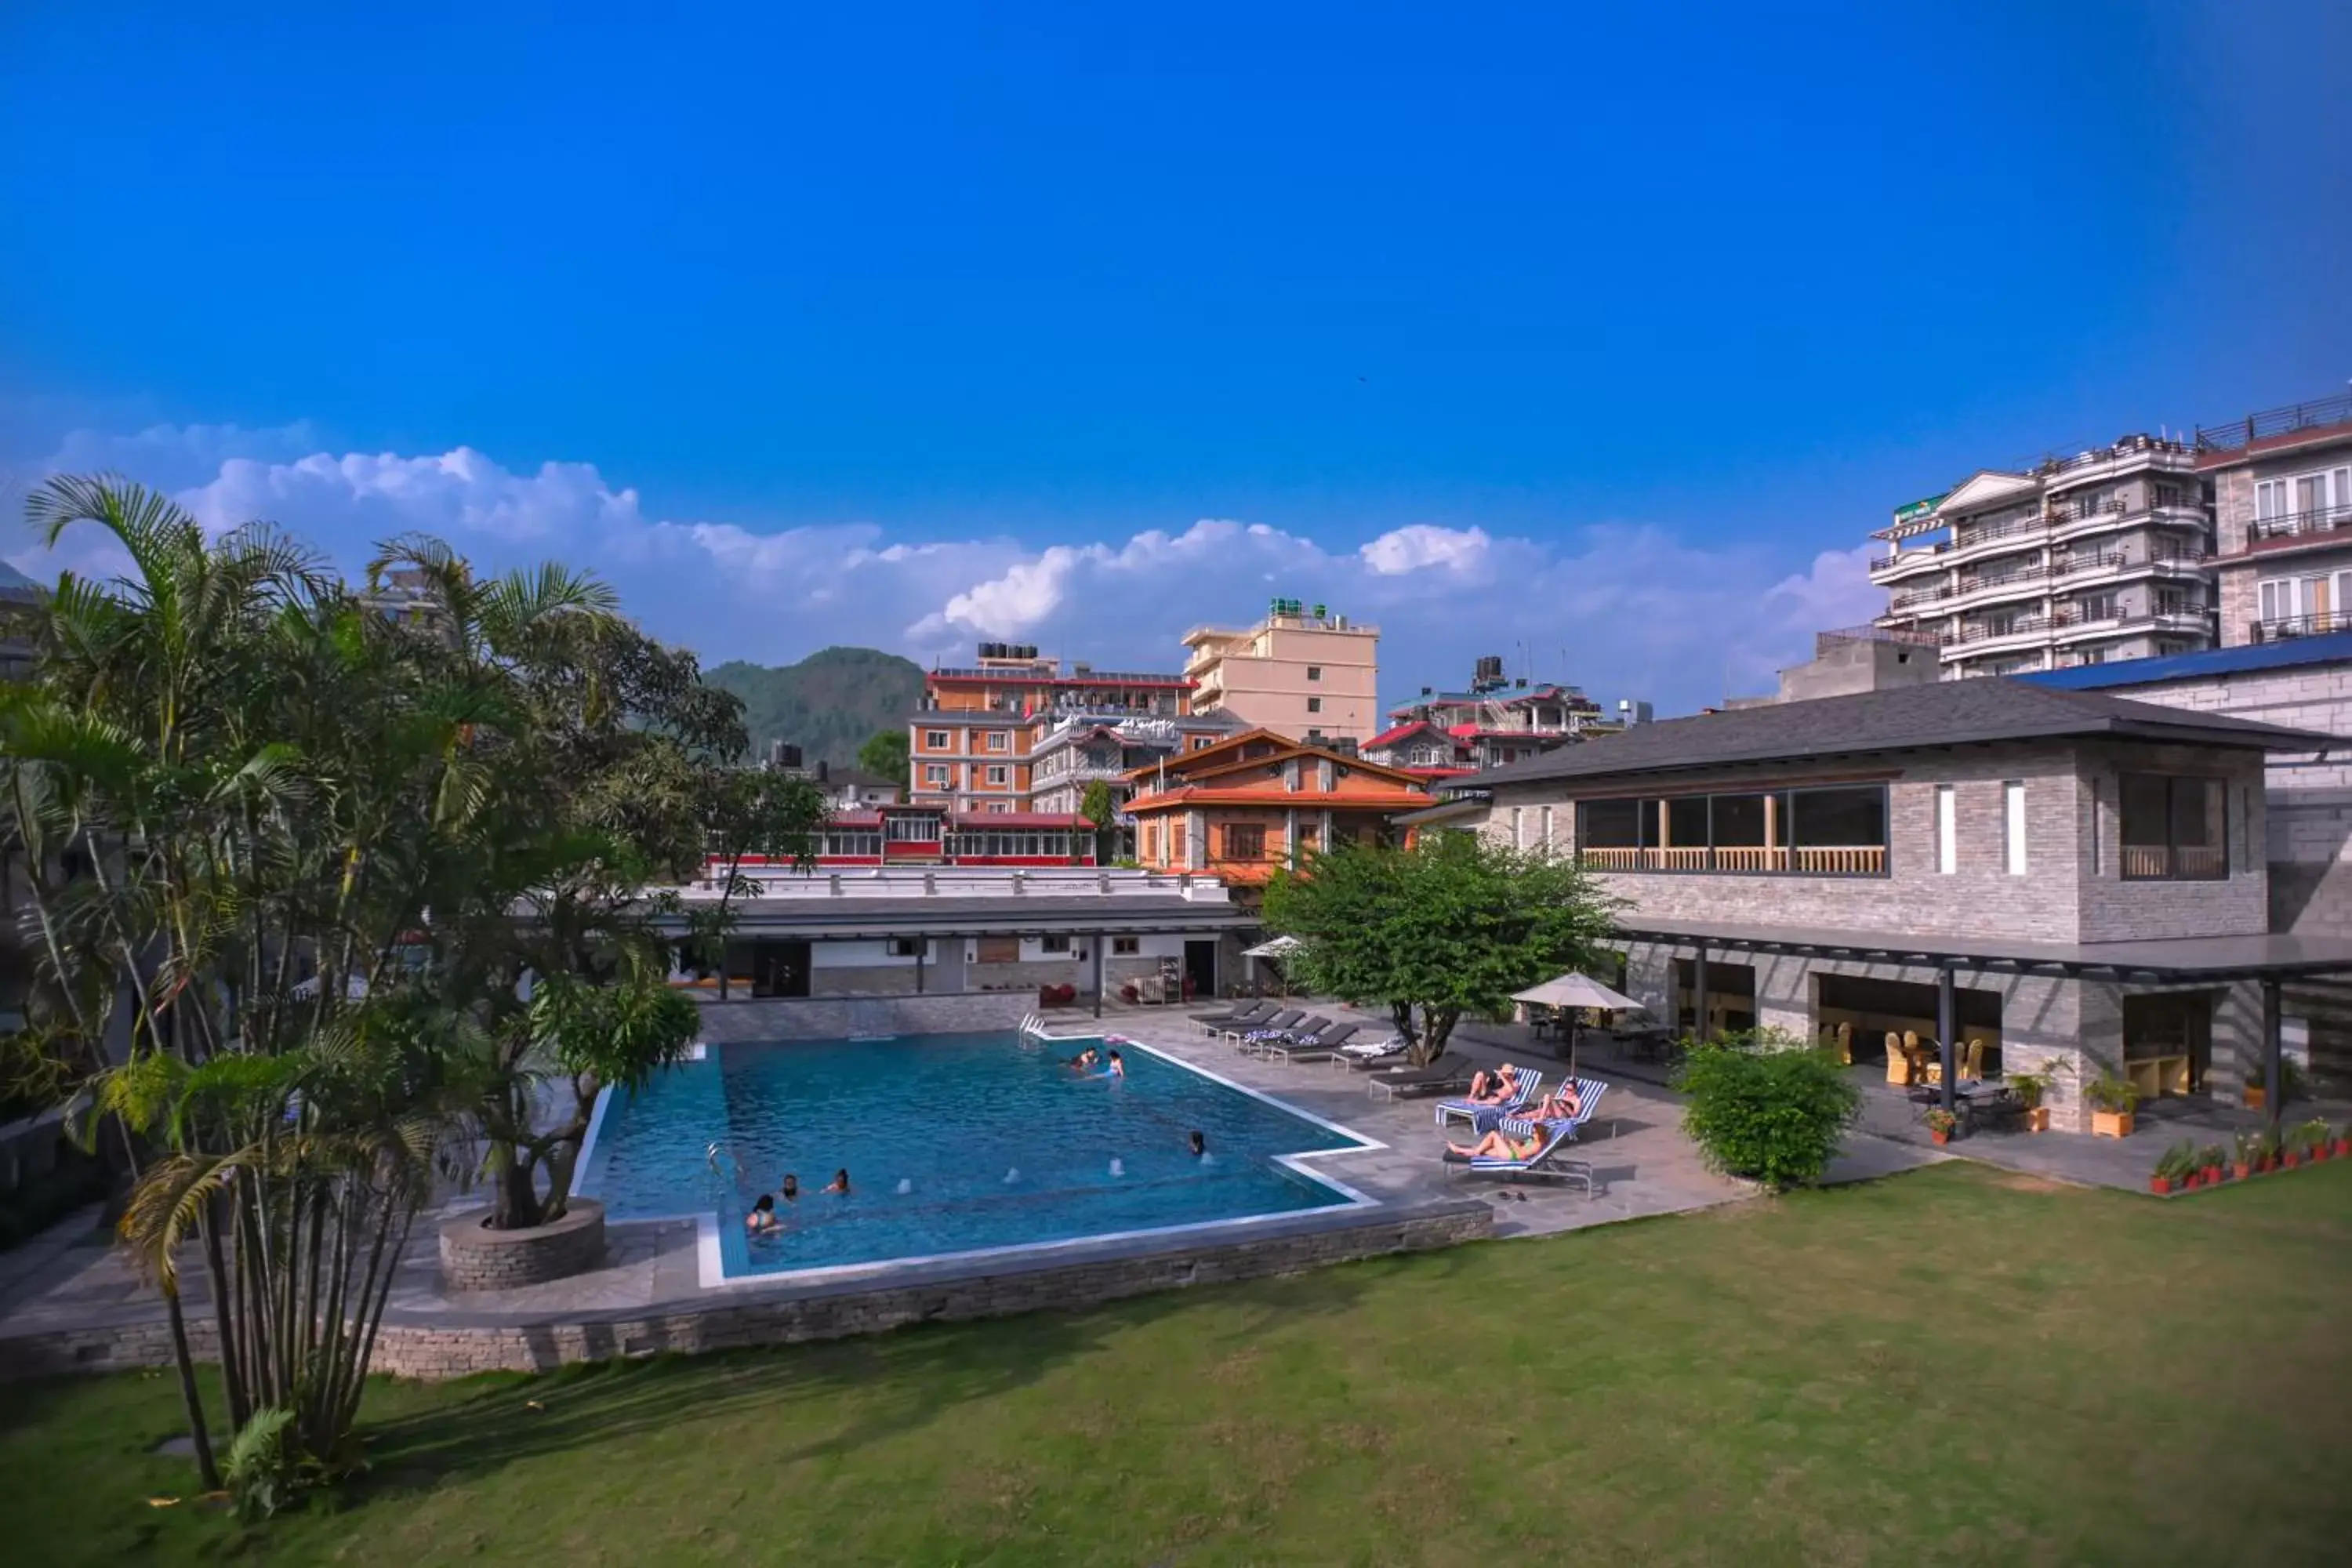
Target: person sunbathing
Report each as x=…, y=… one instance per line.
x=1501, y=1145
x=1495, y=1088
x=1562, y=1104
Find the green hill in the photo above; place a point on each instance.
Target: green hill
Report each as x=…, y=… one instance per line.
x=828, y=703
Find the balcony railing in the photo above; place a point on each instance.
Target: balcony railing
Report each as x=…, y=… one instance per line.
x=2313, y=415
x=2281, y=628
x=2175, y=863
x=2017, y=626
x=2323, y=519
x=1805, y=860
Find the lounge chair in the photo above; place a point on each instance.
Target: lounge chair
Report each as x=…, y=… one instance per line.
x=1237, y=1033
x=1313, y=1047
x=1258, y=1042
x=1212, y=1023
x=1547, y=1161
x=1370, y=1056
x=1448, y=1072
x=1524, y=1087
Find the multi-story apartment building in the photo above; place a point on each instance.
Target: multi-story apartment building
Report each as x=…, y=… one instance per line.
x=1301, y=672
x=972, y=745
x=2102, y=555
x=2283, y=517
x=2053, y=879
x=1444, y=734
x=1247, y=806
x=1077, y=751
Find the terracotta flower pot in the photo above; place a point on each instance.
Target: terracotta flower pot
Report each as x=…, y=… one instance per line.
x=1940, y=1135
x=2264, y=1165
x=2037, y=1120
x=2292, y=1159
x=2243, y=1169
x=2159, y=1185
x=2344, y=1148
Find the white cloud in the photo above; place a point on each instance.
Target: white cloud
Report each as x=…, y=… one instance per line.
x=1626, y=611
x=1420, y=545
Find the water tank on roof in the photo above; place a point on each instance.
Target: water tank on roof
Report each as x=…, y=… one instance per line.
x=1490, y=669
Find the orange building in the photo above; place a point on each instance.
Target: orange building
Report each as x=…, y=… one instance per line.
x=1245, y=807
x=971, y=747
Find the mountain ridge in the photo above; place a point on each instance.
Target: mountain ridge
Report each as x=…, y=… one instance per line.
x=827, y=704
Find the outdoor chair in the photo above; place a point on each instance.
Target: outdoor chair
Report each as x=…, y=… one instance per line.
x=1899, y=1061
x=1549, y=1162
x=1258, y=1041
x=1235, y=1032
x=1313, y=1048
x=1972, y=1064
x=1845, y=1043
x=1448, y=1072
x=1212, y=1023
x=1370, y=1056
x=1524, y=1088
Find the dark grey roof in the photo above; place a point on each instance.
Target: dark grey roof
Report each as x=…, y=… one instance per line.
x=1946, y=713
x=2208, y=958
x=988, y=915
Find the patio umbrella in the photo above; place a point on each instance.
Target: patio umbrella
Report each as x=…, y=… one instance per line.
x=1572, y=990
x=1276, y=947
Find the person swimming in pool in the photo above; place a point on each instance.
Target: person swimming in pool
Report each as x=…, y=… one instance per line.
x=792, y=1188
x=1083, y=1061
x=1115, y=1067
x=762, y=1217
x=840, y=1182
x=1200, y=1142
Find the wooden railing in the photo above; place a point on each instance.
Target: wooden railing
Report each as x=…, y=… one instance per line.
x=2175, y=863
x=1807, y=860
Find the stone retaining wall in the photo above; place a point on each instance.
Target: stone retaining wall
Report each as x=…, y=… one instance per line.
x=475, y=1259
x=415, y=1347
x=844, y=1017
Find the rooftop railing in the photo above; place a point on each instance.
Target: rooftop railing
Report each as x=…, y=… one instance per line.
x=2317, y=414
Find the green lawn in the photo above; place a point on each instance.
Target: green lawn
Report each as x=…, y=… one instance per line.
x=1950, y=1366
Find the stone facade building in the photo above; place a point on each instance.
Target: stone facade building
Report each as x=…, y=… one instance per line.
x=2089, y=875
x=2281, y=485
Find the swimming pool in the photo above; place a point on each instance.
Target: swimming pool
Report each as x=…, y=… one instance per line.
x=954, y=1143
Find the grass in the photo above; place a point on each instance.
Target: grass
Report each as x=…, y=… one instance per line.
x=1950, y=1366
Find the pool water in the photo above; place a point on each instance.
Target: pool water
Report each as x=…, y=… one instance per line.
x=953, y=1143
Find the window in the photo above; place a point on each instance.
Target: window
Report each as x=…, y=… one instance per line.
x=999, y=741
x=936, y=774
x=911, y=828
x=1837, y=831
x=1315, y=705
x=2174, y=829
x=1314, y=672
x=1245, y=841
x=1544, y=817
x=998, y=773
x=1125, y=946
x=1000, y=807
x=935, y=741
x=1150, y=842
x=2012, y=820
x=909, y=947
x=1948, y=830
x=1053, y=945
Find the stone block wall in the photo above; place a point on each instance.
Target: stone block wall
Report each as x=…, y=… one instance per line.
x=838, y=1019
x=412, y=1345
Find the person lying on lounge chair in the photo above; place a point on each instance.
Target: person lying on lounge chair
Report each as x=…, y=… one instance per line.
x=1501, y=1145
x=1562, y=1104
x=1495, y=1088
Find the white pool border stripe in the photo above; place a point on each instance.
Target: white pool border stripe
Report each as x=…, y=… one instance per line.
x=710, y=1259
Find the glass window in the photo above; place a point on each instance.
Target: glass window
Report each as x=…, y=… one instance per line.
x=1738, y=820
x=1125, y=946
x=1314, y=672
x=2173, y=830
x=1687, y=822
x=1315, y=705
x=1053, y=945
x=1245, y=841
x=1829, y=817
x=935, y=739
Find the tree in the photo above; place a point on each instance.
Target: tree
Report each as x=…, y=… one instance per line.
x=749, y=811
x=1098, y=807
x=886, y=756
x=1454, y=925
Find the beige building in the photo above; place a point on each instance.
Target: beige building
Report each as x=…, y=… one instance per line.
x=2101, y=556
x=1301, y=672
x=2283, y=508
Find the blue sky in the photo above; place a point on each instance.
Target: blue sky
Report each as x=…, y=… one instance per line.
x=1606, y=334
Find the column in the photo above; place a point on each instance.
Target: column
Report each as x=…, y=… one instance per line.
x=1944, y=1010
x=1099, y=940
x=2272, y=1026
x=1699, y=1007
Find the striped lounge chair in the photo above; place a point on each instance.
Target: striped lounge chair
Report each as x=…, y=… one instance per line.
x=1525, y=1088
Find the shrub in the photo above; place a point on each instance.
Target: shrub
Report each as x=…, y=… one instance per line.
x=1771, y=1116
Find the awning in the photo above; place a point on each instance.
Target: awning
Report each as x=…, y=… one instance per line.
x=1576, y=991
x=1279, y=947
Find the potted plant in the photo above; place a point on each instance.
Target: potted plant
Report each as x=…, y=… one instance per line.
x=1941, y=1123
x=2267, y=1151
x=2113, y=1100
x=2173, y=1169
x=2031, y=1088
x=2212, y=1165
x=2344, y=1142
x=2318, y=1143
x=2244, y=1148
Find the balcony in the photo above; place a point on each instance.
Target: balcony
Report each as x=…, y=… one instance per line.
x=2296, y=524
x=2074, y=625
x=2287, y=627
x=2027, y=626
x=2317, y=415
x=1804, y=860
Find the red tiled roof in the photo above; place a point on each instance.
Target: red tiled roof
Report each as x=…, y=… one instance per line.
x=1383, y=800
x=1389, y=737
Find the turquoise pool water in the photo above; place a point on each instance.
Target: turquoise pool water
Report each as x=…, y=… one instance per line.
x=953, y=1143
